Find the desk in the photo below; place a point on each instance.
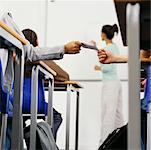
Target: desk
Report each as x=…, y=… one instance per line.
x=70, y=86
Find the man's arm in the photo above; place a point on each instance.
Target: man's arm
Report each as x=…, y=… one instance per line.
x=37, y=53
x=107, y=57
x=120, y=59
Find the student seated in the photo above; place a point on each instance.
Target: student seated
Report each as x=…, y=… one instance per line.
x=31, y=36
x=33, y=53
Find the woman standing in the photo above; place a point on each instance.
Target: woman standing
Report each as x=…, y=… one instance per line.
x=111, y=109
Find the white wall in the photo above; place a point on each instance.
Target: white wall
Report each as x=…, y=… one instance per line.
x=27, y=14
x=72, y=20
x=82, y=20
x=76, y=20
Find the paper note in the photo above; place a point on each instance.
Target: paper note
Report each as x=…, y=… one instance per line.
x=88, y=46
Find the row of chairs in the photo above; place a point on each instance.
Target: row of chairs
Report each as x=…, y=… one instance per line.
x=33, y=96
x=26, y=99
x=27, y=92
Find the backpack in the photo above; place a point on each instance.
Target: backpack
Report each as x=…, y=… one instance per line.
x=44, y=137
x=117, y=140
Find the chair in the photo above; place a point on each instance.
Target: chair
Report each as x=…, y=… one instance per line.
x=12, y=42
x=33, y=96
x=5, y=108
x=6, y=102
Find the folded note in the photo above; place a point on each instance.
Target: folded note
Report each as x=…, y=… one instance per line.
x=88, y=46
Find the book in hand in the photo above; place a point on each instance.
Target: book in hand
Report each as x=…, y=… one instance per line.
x=88, y=46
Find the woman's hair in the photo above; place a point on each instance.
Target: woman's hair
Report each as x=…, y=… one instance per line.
x=110, y=30
x=31, y=36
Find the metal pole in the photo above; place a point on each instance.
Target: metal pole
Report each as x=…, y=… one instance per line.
x=50, y=102
x=67, y=146
x=77, y=122
x=134, y=139
x=17, y=124
x=46, y=23
x=3, y=131
x=34, y=104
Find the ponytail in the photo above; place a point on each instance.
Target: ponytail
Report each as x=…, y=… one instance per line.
x=115, y=28
x=110, y=30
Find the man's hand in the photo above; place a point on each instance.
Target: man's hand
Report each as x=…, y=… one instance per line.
x=105, y=57
x=72, y=47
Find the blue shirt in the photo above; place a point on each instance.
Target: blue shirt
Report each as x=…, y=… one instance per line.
x=109, y=71
x=148, y=89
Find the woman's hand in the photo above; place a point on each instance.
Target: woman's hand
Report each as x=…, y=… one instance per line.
x=97, y=68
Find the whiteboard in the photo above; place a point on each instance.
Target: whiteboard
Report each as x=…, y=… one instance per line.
x=74, y=20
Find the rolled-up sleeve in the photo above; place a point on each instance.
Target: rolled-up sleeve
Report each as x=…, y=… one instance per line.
x=41, y=53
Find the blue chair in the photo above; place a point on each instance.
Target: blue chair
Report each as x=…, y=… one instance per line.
x=35, y=97
x=148, y=89
x=5, y=96
x=5, y=108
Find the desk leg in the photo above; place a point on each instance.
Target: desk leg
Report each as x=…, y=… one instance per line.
x=17, y=122
x=3, y=131
x=34, y=103
x=148, y=131
x=77, y=122
x=68, y=117
x=50, y=103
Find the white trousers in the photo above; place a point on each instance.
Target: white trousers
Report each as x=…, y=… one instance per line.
x=111, y=109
